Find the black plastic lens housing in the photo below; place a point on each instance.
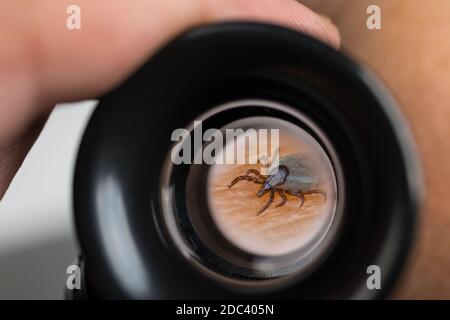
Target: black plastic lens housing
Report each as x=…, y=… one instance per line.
x=126, y=247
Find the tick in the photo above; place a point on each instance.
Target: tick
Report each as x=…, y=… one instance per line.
x=297, y=175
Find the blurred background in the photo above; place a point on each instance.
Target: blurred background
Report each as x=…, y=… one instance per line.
x=37, y=239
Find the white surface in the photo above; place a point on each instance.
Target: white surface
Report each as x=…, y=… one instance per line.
x=38, y=205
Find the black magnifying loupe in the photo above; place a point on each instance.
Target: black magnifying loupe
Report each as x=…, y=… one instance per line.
x=343, y=203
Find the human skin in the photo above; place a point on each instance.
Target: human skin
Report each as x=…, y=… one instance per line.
x=42, y=63
x=411, y=54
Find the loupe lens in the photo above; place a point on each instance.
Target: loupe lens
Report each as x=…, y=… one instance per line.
x=237, y=219
x=150, y=228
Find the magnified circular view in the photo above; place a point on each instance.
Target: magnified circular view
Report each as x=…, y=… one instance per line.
x=271, y=212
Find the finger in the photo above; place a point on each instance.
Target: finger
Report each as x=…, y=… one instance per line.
x=288, y=13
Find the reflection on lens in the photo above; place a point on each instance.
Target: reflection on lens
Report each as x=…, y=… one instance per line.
x=304, y=195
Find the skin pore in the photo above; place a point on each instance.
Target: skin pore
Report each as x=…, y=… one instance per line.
x=410, y=53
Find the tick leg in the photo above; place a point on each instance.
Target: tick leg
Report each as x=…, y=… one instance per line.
x=267, y=205
x=247, y=178
x=283, y=199
x=257, y=173
x=316, y=192
x=298, y=194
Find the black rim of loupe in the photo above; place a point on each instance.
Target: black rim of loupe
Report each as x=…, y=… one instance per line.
x=116, y=187
x=199, y=237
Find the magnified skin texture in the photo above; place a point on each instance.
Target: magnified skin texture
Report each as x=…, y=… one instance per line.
x=277, y=230
x=411, y=54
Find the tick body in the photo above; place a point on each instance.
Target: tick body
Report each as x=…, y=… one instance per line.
x=297, y=175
